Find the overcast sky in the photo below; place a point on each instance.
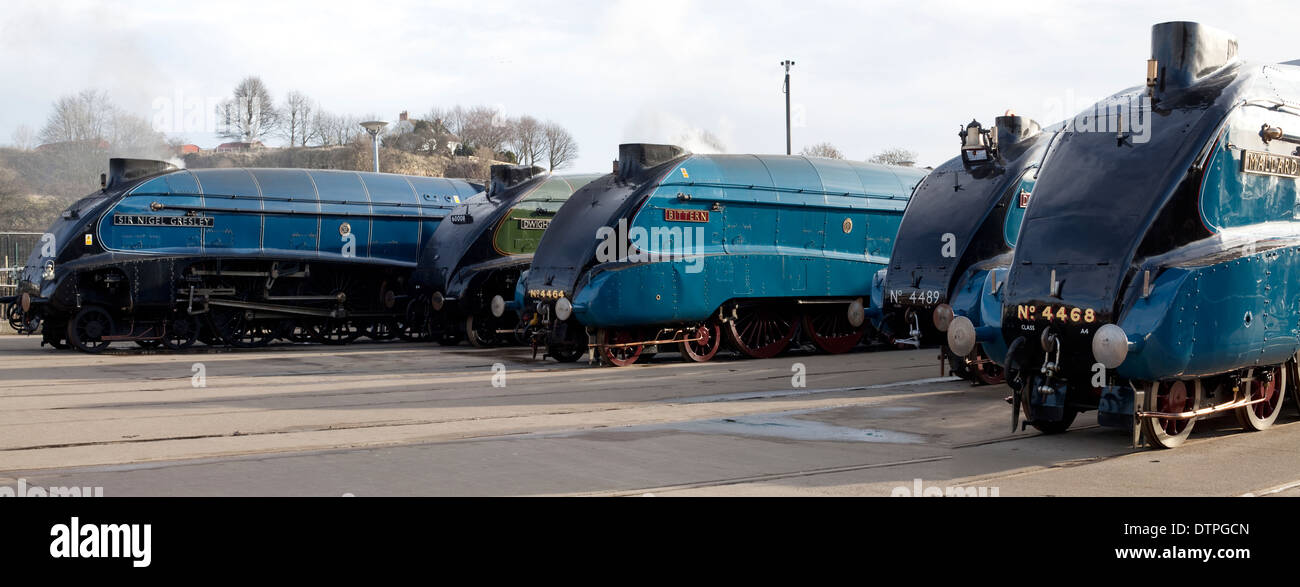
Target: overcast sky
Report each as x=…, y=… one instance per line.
x=868, y=75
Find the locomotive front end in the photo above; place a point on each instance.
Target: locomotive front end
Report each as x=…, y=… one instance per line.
x=573, y=244
x=471, y=267
x=46, y=294
x=955, y=240
x=1151, y=278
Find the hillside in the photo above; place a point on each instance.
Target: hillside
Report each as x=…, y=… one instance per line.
x=350, y=157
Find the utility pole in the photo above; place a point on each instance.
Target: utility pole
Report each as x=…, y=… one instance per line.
x=786, y=64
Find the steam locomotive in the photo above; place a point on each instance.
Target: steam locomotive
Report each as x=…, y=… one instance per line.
x=471, y=266
x=163, y=256
x=679, y=250
x=954, y=244
x=1156, y=275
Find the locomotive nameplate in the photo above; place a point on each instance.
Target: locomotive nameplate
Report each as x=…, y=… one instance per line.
x=151, y=220
x=461, y=219
x=534, y=223
x=546, y=294
x=915, y=297
x=676, y=215
x=1270, y=164
x=1060, y=314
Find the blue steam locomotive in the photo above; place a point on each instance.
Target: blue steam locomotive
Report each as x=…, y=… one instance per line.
x=1155, y=276
x=681, y=249
x=956, y=238
x=470, y=268
x=163, y=256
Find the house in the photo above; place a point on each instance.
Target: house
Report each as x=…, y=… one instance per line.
x=420, y=136
x=404, y=124
x=452, y=142
x=240, y=147
x=187, y=150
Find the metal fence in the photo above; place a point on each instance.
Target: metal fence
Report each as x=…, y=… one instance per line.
x=15, y=247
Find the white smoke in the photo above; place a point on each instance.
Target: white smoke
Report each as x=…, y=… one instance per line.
x=655, y=126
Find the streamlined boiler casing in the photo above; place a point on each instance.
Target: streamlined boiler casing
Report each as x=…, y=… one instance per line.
x=676, y=249
x=160, y=253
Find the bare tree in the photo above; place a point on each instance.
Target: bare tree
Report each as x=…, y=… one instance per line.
x=328, y=130
x=527, y=139
x=81, y=117
x=895, y=156
x=88, y=123
x=826, y=150
x=24, y=138
x=250, y=113
x=348, y=129
x=322, y=128
x=296, y=124
x=561, y=149
x=484, y=126
x=453, y=119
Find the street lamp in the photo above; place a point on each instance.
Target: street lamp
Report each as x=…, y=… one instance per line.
x=786, y=64
x=374, y=127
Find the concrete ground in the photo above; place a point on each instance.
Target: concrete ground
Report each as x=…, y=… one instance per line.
x=420, y=419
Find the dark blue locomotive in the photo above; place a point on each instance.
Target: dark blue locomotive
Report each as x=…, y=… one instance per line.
x=162, y=256
x=955, y=242
x=682, y=250
x=1156, y=274
x=470, y=268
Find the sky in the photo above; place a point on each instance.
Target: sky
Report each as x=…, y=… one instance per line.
x=868, y=75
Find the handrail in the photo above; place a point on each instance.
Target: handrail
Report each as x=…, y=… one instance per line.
x=158, y=206
x=782, y=190
x=291, y=200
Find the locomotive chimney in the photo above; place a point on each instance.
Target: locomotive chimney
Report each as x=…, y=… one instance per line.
x=507, y=176
x=635, y=158
x=1011, y=129
x=121, y=171
x=1184, y=52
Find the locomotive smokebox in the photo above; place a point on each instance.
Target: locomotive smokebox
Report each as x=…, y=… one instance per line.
x=635, y=158
x=1188, y=51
